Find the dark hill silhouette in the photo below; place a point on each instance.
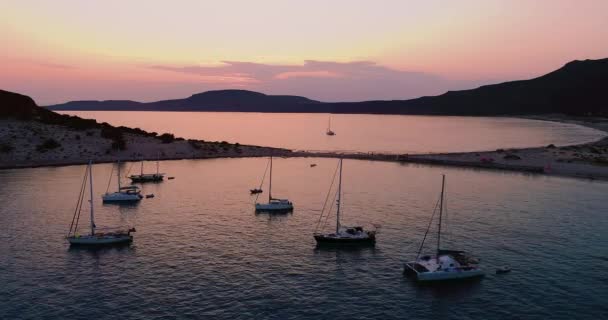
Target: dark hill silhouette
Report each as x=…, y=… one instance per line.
x=578, y=88
x=99, y=105
x=218, y=100
x=21, y=107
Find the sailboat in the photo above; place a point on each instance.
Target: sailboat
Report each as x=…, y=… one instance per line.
x=124, y=194
x=95, y=238
x=147, y=177
x=445, y=264
x=344, y=234
x=329, y=132
x=274, y=204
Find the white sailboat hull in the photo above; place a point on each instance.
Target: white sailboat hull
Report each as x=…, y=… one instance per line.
x=121, y=197
x=448, y=275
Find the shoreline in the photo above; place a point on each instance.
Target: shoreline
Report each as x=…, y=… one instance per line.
x=583, y=161
x=586, y=160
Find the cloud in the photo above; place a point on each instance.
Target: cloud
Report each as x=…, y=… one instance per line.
x=322, y=80
x=54, y=65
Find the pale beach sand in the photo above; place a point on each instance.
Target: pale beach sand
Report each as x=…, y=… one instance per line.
x=588, y=160
x=24, y=139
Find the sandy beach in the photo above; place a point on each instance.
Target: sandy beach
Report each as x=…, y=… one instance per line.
x=589, y=160
x=26, y=144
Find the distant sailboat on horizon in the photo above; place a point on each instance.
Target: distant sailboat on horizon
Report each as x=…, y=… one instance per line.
x=110, y=237
x=328, y=131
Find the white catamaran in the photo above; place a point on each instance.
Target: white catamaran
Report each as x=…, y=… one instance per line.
x=124, y=194
x=274, y=204
x=343, y=234
x=96, y=238
x=445, y=264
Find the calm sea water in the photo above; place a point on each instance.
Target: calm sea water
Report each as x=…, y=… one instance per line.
x=200, y=251
x=365, y=133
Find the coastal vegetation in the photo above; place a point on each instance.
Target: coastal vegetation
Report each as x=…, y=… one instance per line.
x=34, y=136
x=48, y=144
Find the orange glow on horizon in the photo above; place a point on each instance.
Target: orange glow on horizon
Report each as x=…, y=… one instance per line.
x=116, y=49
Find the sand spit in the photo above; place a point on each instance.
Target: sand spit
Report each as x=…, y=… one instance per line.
x=589, y=161
x=32, y=144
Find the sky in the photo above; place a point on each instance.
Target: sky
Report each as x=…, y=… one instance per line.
x=62, y=50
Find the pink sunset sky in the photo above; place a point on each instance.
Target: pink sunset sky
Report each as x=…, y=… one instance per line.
x=61, y=50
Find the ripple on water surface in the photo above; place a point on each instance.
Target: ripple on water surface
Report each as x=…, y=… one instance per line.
x=201, y=252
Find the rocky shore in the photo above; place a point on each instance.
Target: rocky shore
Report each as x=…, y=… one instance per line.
x=32, y=144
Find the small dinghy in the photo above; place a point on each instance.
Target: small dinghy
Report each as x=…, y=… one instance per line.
x=171, y=178
x=313, y=165
x=148, y=196
x=503, y=269
x=256, y=191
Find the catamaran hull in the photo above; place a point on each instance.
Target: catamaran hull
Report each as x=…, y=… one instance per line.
x=273, y=207
x=442, y=275
x=105, y=241
x=445, y=276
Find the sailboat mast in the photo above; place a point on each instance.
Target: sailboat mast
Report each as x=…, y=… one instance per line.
x=270, y=182
x=440, y=214
x=157, y=160
x=142, y=167
x=118, y=173
x=339, y=199
x=329, y=124
x=91, y=197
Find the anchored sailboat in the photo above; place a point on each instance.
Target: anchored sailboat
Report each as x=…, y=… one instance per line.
x=95, y=238
x=147, y=177
x=124, y=194
x=344, y=234
x=274, y=204
x=329, y=132
x=445, y=264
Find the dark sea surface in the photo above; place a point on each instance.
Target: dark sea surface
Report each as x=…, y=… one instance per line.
x=354, y=132
x=200, y=251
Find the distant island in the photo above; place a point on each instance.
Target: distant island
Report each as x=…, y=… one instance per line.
x=33, y=136
x=579, y=88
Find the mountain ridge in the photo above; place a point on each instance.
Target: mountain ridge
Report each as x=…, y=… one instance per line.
x=580, y=87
